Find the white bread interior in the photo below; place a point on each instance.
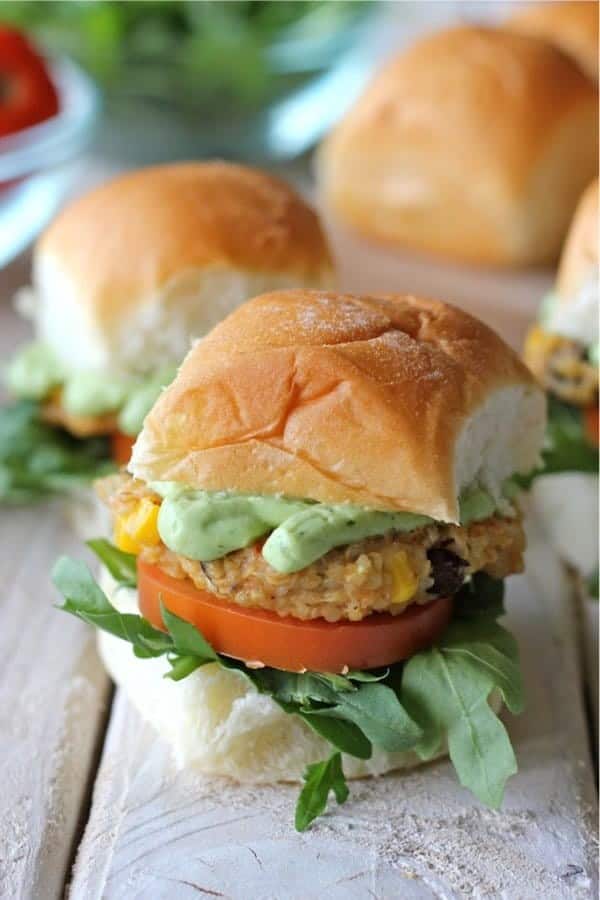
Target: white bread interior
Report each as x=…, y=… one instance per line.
x=130, y=272
x=159, y=330
x=385, y=402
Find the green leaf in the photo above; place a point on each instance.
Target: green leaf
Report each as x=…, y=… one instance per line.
x=38, y=460
x=567, y=448
x=319, y=779
x=302, y=688
x=355, y=675
x=122, y=566
x=182, y=666
x=377, y=711
x=187, y=639
x=337, y=682
x=343, y=735
x=481, y=596
x=86, y=600
x=446, y=690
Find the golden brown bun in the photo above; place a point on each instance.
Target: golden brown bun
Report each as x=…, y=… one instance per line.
x=386, y=402
x=123, y=241
x=571, y=25
x=474, y=144
x=579, y=260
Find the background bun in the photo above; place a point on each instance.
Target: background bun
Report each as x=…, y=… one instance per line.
x=579, y=261
x=386, y=402
x=130, y=271
x=215, y=720
x=571, y=25
x=474, y=144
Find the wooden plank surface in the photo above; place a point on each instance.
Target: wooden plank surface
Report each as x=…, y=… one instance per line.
x=53, y=690
x=53, y=696
x=155, y=832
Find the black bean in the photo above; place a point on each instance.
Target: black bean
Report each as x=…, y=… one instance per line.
x=447, y=571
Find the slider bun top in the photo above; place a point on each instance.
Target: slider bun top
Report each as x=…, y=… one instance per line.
x=474, y=144
x=386, y=402
x=129, y=272
x=579, y=261
x=571, y=25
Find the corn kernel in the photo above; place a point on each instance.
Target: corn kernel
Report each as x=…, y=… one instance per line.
x=138, y=528
x=538, y=339
x=404, y=580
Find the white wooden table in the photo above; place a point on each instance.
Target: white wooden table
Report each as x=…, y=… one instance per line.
x=84, y=781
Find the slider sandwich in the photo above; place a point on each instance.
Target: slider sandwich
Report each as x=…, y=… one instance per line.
x=123, y=280
x=311, y=544
x=562, y=350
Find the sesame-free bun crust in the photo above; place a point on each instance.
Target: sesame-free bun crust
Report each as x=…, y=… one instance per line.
x=474, y=145
x=385, y=402
x=130, y=271
x=579, y=261
x=570, y=25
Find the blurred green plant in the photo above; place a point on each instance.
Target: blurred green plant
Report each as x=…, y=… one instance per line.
x=196, y=53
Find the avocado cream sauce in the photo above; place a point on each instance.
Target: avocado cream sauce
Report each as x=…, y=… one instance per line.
x=206, y=525
x=35, y=372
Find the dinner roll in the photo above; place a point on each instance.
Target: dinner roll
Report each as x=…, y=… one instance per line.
x=128, y=273
x=474, y=145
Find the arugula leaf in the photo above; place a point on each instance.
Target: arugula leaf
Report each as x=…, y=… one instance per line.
x=567, y=448
x=377, y=711
x=38, y=460
x=319, y=779
x=187, y=639
x=86, y=600
x=440, y=694
x=446, y=690
x=122, y=566
x=342, y=735
x=355, y=675
x=482, y=596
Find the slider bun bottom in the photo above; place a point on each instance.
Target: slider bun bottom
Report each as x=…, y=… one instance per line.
x=216, y=721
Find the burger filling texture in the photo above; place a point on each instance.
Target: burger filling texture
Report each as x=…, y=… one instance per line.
x=308, y=563
x=562, y=351
x=312, y=560
x=59, y=428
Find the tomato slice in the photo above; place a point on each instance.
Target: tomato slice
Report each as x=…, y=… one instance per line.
x=285, y=643
x=27, y=95
x=121, y=446
x=592, y=424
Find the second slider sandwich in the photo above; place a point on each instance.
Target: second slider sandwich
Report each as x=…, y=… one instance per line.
x=123, y=280
x=325, y=493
